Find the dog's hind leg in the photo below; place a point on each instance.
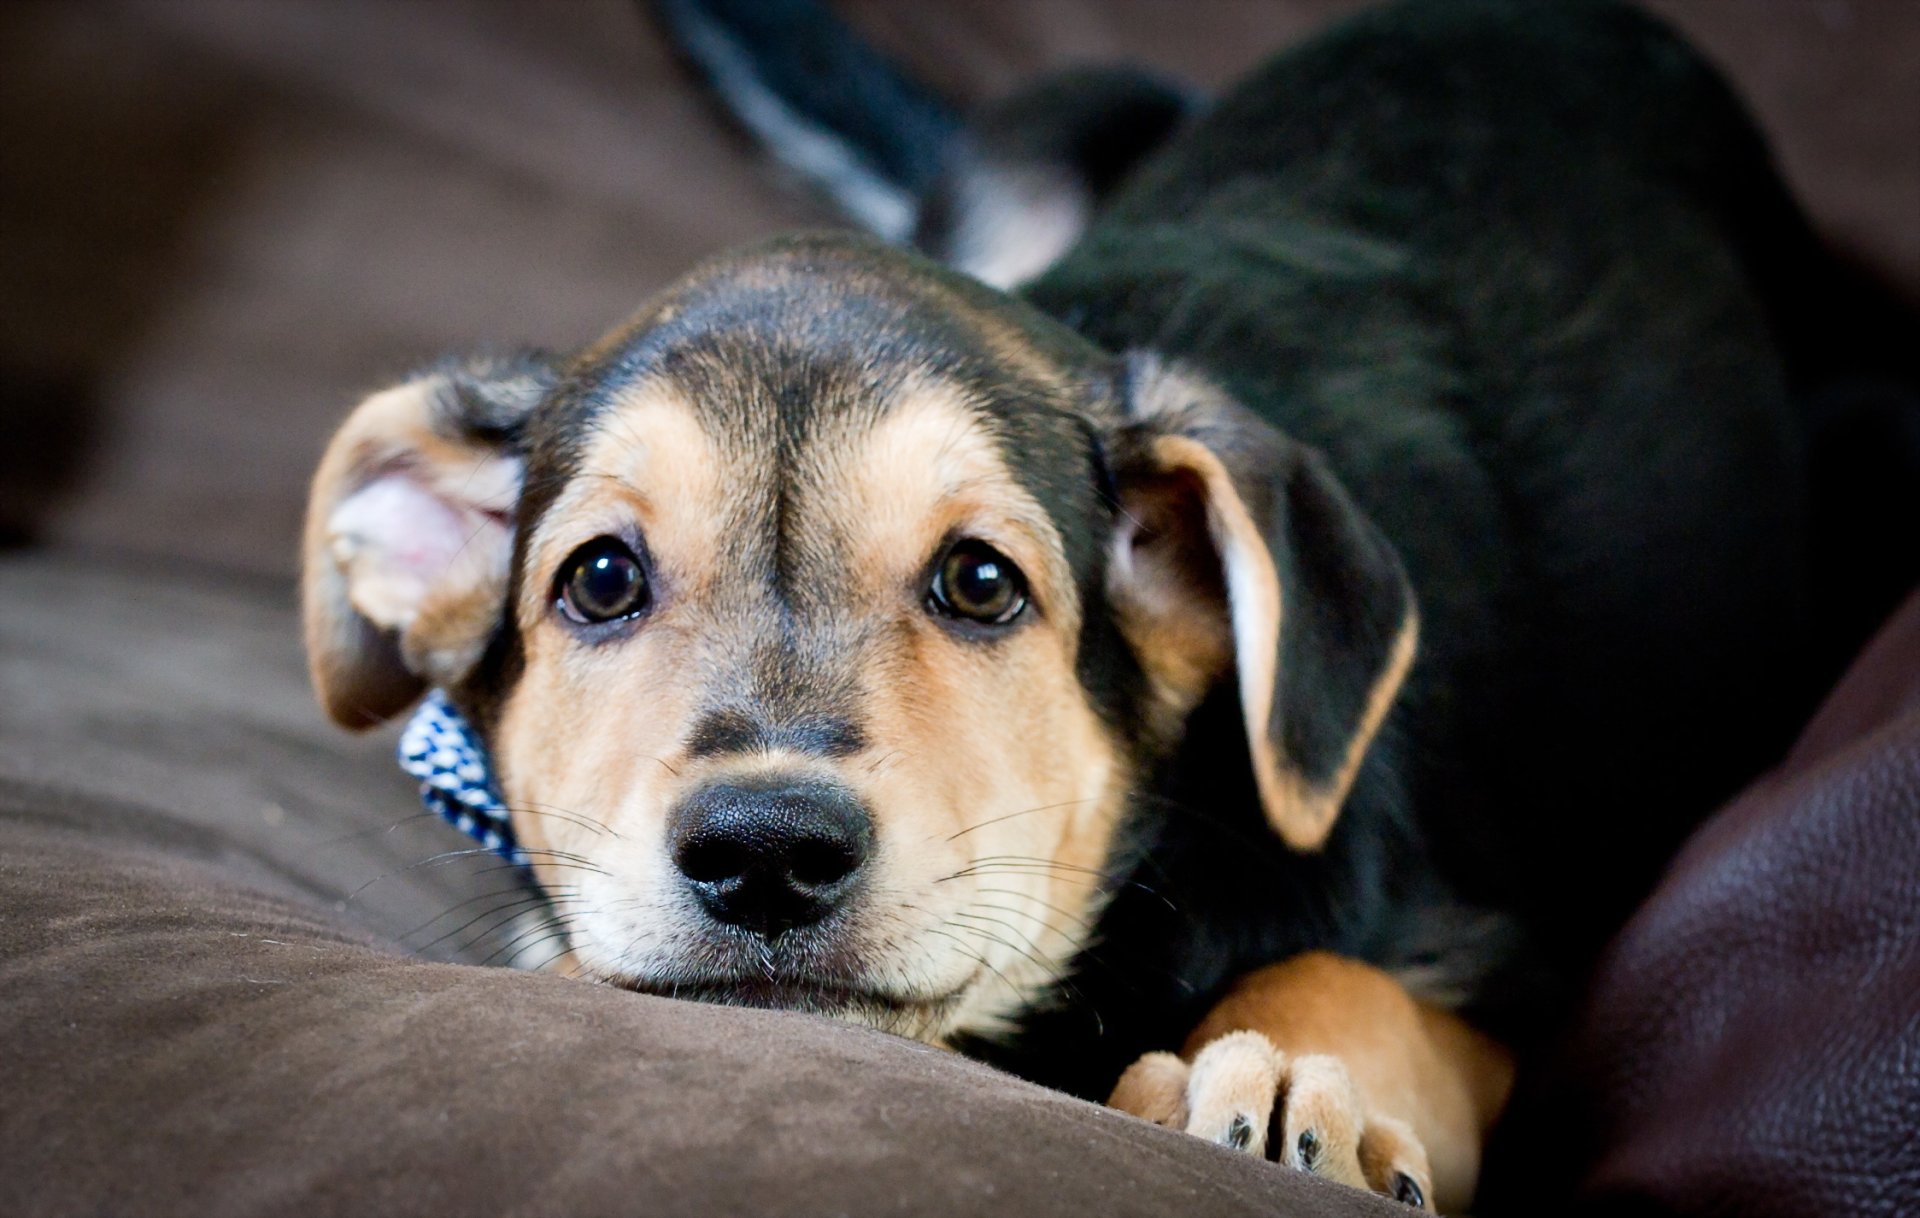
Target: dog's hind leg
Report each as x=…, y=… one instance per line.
x=998, y=191
x=1027, y=173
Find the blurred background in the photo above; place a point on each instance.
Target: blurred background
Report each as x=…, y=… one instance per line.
x=223, y=220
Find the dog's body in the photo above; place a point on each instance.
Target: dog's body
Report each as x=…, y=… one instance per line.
x=1530, y=347
x=1397, y=538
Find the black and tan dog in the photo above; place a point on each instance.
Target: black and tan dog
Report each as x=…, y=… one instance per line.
x=1291, y=629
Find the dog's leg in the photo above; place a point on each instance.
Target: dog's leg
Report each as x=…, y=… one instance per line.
x=1023, y=180
x=1329, y=1065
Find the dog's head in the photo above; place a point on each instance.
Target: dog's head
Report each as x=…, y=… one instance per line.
x=824, y=619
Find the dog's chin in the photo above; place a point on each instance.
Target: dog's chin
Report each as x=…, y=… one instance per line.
x=923, y=1017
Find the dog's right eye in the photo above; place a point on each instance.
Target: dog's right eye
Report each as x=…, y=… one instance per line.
x=979, y=584
x=602, y=581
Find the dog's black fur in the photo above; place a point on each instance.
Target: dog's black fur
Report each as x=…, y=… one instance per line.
x=1524, y=274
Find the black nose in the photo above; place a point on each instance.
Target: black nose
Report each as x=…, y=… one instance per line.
x=769, y=856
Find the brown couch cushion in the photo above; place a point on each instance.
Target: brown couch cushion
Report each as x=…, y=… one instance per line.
x=189, y=1024
x=185, y=706
x=1752, y=1042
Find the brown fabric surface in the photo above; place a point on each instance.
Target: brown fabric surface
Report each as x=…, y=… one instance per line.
x=179, y=1044
x=221, y=221
x=189, y=1024
x=1752, y=1043
x=184, y=707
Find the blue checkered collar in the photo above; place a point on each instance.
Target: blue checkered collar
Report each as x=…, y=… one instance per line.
x=441, y=749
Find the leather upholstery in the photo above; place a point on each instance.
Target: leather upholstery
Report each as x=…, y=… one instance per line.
x=1751, y=1044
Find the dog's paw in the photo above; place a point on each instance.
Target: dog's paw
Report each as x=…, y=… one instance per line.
x=1303, y=1111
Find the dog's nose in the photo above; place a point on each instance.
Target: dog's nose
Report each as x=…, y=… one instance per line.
x=774, y=855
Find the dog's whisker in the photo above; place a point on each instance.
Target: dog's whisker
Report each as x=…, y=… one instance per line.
x=1080, y=950
x=376, y=831
x=437, y=860
x=551, y=858
x=563, y=814
x=483, y=935
x=1015, y=869
x=1011, y=927
x=1036, y=861
x=1024, y=812
x=517, y=891
x=511, y=910
x=1052, y=974
x=1064, y=875
x=564, y=946
x=563, y=855
x=982, y=917
x=967, y=950
x=589, y=868
x=1034, y=918
x=547, y=930
x=1092, y=879
x=1079, y=921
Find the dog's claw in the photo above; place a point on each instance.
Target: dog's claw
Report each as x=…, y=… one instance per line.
x=1240, y=1132
x=1406, y=1190
x=1306, y=1149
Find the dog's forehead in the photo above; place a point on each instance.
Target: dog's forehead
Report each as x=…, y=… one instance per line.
x=775, y=338
x=822, y=359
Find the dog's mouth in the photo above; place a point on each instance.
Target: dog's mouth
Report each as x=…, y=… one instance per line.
x=812, y=969
x=815, y=995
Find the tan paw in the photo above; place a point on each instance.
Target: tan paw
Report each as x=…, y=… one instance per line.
x=1305, y=1112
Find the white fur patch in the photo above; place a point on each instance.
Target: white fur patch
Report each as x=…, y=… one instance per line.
x=1013, y=223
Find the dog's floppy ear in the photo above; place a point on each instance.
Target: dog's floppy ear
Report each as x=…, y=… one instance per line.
x=409, y=533
x=1239, y=552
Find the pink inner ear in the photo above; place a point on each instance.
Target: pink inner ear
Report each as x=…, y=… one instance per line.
x=396, y=538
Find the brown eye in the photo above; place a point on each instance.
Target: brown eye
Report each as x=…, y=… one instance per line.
x=978, y=583
x=602, y=581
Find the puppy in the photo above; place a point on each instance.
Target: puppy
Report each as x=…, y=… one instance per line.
x=1270, y=650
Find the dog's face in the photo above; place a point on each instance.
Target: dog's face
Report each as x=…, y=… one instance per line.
x=825, y=620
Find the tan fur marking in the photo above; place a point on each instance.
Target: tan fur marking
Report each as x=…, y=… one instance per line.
x=1164, y=585
x=352, y=605
x=1409, y=1061
x=1318, y=805
x=588, y=743
x=1391, y=1149
x=1154, y=1088
x=1255, y=607
x=648, y=465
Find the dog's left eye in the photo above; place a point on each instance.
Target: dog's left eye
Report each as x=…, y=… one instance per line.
x=601, y=581
x=976, y=582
